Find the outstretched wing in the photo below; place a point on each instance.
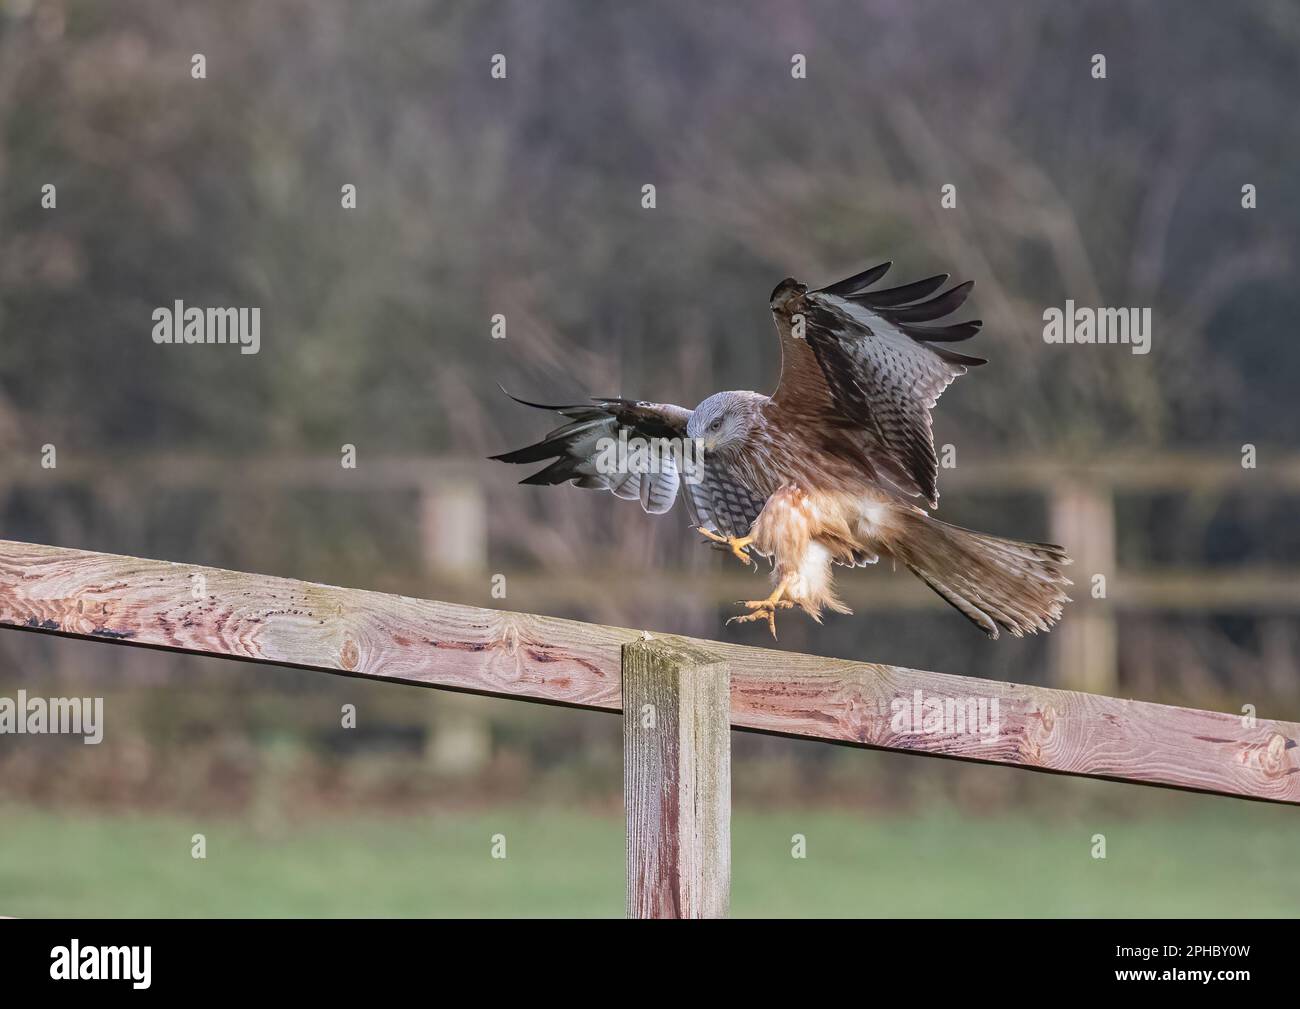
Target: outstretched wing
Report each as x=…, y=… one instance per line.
x=868, y=360
x=581, y=451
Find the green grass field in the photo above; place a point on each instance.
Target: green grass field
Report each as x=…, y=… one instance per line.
x=1237, y=863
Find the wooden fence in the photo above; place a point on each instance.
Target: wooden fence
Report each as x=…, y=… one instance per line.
x=677, y=695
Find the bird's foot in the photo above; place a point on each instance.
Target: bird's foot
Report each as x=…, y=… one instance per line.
x=738, y=544
x=764, y=609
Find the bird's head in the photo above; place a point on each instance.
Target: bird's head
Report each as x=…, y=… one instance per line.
x=723, y=421
x=786, y=291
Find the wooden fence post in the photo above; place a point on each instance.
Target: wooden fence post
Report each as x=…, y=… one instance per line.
x=453, y=544
x=676, y=780
x=1085, y=643
x=453, y=527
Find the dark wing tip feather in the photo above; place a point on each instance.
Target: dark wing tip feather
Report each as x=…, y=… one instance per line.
x=935, y=308
x=535, y=406
x=909, y=306
x=560, y=471
x=904, y=295
x=952, y=357
x=955, y=333
x=858, y=281
x=547, y=448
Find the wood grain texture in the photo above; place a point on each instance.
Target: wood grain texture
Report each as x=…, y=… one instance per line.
x=257, y=618
x=676, y=780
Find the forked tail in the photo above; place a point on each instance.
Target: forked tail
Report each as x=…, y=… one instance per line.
x=991, y=580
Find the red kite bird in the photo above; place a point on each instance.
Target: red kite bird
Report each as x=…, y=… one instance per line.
x=833, y=467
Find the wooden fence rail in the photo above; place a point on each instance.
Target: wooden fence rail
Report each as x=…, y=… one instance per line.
x=256, y=618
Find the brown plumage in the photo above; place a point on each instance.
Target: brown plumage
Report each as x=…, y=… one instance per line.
x=837, y=466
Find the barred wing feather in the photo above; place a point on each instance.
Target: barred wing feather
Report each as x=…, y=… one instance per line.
x=574, y=450
x=878, y=366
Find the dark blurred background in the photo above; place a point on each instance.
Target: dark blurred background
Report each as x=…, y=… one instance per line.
x=522, y=197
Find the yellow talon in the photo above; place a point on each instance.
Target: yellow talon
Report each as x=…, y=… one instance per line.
x=738, y=544
x=764, y=609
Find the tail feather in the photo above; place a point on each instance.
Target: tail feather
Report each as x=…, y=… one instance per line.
x=991, y=581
